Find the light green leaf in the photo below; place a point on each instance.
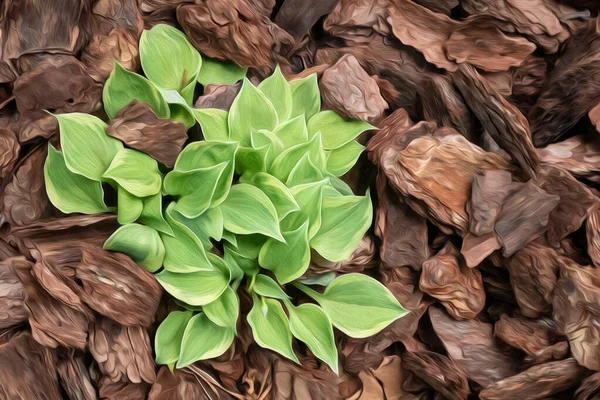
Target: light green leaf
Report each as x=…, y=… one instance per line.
x=136, y=172
x=225, y=310
x=249, y=161
x=213, y=123
x=124, y=86
x=206, y=226
x=215, y=72
x=194, y=190
x=249, y=245
x=304, y=172
x=184, y=252
x=169, y=335
x=179, y=105
x=321, y=280
x=68, y=191
x=284, y=164
x=340, y=186
x=306, y=98
x=208, y=154
x=344, y=222
x=203, y=340
x=141, y=243
x=86, y=148
x=237, y=262
x=335, y=130
x=276, y=191
x=340, y=161
x=248, y=210
x=129, y=207
x=250, y=110
x=167, y=58
x=309, y=198
x=263, y=138
x=288, y=260
x=265, y=286
x=152, y=214
x=278, y=91
x=310, y=324
x=358, y=305
x=196, y=288
x=292, y=132
x=271, y=331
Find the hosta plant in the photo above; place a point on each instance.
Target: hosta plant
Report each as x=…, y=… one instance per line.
x=243, y=209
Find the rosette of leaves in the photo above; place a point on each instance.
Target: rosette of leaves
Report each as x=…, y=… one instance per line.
x=247, y=206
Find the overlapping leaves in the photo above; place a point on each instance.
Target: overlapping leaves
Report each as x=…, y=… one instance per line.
x=263, y=187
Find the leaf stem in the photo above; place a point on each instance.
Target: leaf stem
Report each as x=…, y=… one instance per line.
x=312, y=293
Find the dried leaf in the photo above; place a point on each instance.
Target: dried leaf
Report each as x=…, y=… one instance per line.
x=12, y=296
x=102, y=51
x=75, y=378
x=9, y=151
x=218, y=96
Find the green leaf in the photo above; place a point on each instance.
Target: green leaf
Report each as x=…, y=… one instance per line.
x=264, y=138
x=309, y=198
x=184, y=252
x=340, y=186
x=179, y=105
x=152, y=214
x=167, y=58
x=340, y=161
x=238, y=262
x=335, y=130
x=344, y=222
x=249, y=161
x=276, y=191
x=169, y=336
x=251, y=110
x=129, y=207
x=271, y=331
x=265, y=286
x=141, y=243
x=278, y=91
x=86, y=147
x=203, y=340
x=215, y=72
x=206, y=226
x=208, y=154
x=321, y=280
x=306, y=98
x=310, y=324
x=249, y=245
x=225, y=310
x=195, y=189
x=292, y=132
x=284, y=164
x=124, y=86
x=358, y=305
x=248, y=210
x=68, y=191
x=196, y=288
x=288, y=260
x=213, y=123
x=136, y=172
x=304, y=172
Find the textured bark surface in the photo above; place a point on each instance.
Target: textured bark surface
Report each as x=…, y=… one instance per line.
x=484, y=172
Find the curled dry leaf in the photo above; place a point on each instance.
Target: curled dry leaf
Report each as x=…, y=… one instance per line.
x=102, y=51
x=592, y=230
x=579, y=157
x=487, y=195
x=576, y=311
x=417, y=159
x=25, y=198
x=538, y=382
x=439, y=372
x=138, y=126
x=589, y=388
x=298, y=16
x=351, y=92
x=527, y=82
x=458, y=287
x=27, y=370
x=176, y=385
x=356, y=21
x=75, y=378
x=403, y=233
x=123, y=353
x=9, y=151
x=122, y=390
x=43, y=127
x=533, y=271
x=572, y=88
x=218, y=96
x=236, y=30
x=528, y=335
x=43, y=88
x=291, y=382
x=363, y=257
x=12, y=297
x=594, y=115
x=52, y=322
x=471, y=345
x=503, y=121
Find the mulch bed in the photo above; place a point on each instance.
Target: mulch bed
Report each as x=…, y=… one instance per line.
x=485, y=175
